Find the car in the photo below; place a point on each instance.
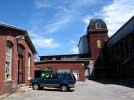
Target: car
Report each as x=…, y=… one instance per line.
x=64, y=81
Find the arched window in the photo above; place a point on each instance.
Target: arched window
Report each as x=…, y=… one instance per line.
x=98, y=26
x=8, y=67
x=29, y=66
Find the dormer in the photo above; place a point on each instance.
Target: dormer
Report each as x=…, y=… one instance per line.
x=97, y=26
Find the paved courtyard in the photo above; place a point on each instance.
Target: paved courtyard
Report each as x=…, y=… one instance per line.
x=88, y=90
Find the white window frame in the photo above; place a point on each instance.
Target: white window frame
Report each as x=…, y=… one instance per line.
x=29, y=67
x=98, y=26
x=8, y=65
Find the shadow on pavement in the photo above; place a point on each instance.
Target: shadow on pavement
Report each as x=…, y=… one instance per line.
x=126, y=83
x=55, y=89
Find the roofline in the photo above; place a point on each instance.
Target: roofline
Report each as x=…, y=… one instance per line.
x=33, y=47
x=97, y=30
x=81, y=38
x=60, y=61
x=120, y=28
x=11, y=26
x=22, y=30
x=61, y=55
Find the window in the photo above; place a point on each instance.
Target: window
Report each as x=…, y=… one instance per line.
x=60, y=76
x=54, y=58
x=29, y=65
x=68, y=76
x=64, y=71
x=58, y=58
x=48, y=68
x=46, y=75
x=99, y=44
x=98, y=26
x=8, y=67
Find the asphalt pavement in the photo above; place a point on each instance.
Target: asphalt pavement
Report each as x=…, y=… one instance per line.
x=88, y=90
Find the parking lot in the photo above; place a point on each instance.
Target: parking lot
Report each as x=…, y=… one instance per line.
x=88, y=90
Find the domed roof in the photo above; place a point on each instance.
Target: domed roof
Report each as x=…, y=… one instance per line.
x=96, y=25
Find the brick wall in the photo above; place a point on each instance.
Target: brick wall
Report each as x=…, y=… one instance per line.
x=64, y=65
x=11, y=36
x=94, y=50
x=6, y=86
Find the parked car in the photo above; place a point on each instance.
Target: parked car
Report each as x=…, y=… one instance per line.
x=64, y=81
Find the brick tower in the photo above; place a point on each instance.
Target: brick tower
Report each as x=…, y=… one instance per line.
x=97, y=35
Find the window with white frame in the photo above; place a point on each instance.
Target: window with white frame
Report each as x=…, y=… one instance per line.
x=29, y=66
x=8, y=67
x=98, y=26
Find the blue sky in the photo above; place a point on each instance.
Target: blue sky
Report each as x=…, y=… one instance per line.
x=55, y=26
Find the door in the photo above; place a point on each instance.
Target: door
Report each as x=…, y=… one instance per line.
x=20, y=70
x=51, y=81
x=76, y=74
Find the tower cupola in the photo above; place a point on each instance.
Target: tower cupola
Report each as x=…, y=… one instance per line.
x=97, y=26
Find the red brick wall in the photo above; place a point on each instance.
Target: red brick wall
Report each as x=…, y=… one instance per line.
x=7, y=86
x=26, y=52
x=64, y=65
x=93, y=44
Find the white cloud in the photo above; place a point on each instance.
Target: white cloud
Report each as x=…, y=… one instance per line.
x=75, y=50
x=41, y=4
x=117, y=13
x=45, y=43
x=53, y=27
x=73, y=42
x=86, y=19
x=65, y=12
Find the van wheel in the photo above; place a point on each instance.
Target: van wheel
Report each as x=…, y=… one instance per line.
x=64, y=88
x=35, y=86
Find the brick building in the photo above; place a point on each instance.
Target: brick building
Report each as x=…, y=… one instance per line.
x=92, y=43
x=90, y=46
x=116, y=61
x=75, y=67
x=74, y=63
x=16, y=58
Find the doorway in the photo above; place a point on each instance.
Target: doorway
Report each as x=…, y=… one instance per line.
x=20, y=70
x=20, y=65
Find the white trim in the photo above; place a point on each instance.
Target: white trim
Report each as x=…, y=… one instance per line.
x=29, y=67
x=8, y=65
x=98, y=26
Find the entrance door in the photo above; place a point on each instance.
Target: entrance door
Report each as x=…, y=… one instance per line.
x=20, y=70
